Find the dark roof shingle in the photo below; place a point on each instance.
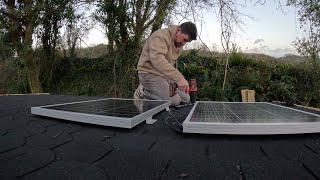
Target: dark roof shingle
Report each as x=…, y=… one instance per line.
x=33, y=147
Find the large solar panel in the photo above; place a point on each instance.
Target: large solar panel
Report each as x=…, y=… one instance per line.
x=248, y=118
x=125, y=113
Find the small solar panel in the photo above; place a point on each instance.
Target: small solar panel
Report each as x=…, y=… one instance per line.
x=116, y=112
x=248, y=118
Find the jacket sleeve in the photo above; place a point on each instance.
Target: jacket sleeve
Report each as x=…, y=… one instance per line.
x=157, y=51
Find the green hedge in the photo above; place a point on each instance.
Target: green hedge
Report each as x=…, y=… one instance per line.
x=299, y=83
x=13, y=77
x=93, y=77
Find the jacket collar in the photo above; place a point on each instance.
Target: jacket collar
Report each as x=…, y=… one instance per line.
x=172, y=30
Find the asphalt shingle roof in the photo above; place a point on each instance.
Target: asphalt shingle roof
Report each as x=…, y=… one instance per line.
x=34, y=147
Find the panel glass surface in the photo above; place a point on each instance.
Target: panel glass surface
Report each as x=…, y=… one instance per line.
x=248, y=113
x=110, y=107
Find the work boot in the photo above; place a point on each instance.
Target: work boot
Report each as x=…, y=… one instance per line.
x=138, y=93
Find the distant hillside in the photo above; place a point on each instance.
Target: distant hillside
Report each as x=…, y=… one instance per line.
x=102, y=49
x=288, y=59
x=97, y=51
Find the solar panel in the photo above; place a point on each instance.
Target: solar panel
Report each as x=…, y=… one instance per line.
x=248, y=118
x=125, y=113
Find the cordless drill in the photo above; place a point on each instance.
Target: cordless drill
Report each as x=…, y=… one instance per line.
x=192, y=90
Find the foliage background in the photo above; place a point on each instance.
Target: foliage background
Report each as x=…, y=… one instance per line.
x=40, y=49
x=272, y=80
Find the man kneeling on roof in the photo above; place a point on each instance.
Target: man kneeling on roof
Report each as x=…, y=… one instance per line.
x=158, y=78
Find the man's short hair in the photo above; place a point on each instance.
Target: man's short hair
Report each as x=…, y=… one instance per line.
x=190, y=29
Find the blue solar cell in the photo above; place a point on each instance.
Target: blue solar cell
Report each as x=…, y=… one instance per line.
x=110, y=107
x=208, y=117
x=125, y=113
x=248, y=113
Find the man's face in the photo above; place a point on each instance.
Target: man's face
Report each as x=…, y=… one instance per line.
x=181, y=38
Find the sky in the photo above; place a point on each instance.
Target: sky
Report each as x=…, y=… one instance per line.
x=271, y=30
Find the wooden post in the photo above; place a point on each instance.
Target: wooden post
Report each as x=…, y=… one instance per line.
x=248, y=95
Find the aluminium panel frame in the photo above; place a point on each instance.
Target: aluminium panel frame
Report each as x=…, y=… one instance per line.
x=122, y=122
x=249, y=128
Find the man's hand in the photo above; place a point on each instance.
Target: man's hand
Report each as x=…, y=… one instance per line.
x=172, y=88
x=183, y=85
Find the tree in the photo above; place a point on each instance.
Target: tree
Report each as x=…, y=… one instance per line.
x=23, y=20
x=127, y=22
x=20, y=18
x=51, y=20
x=309, y=12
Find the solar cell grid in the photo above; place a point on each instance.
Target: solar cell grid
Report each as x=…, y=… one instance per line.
x=125, y=113
x=208, y=117
x=110, y=107
x=248, y=113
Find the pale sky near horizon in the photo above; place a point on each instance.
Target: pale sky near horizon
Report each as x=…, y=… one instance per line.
x=271, y=31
